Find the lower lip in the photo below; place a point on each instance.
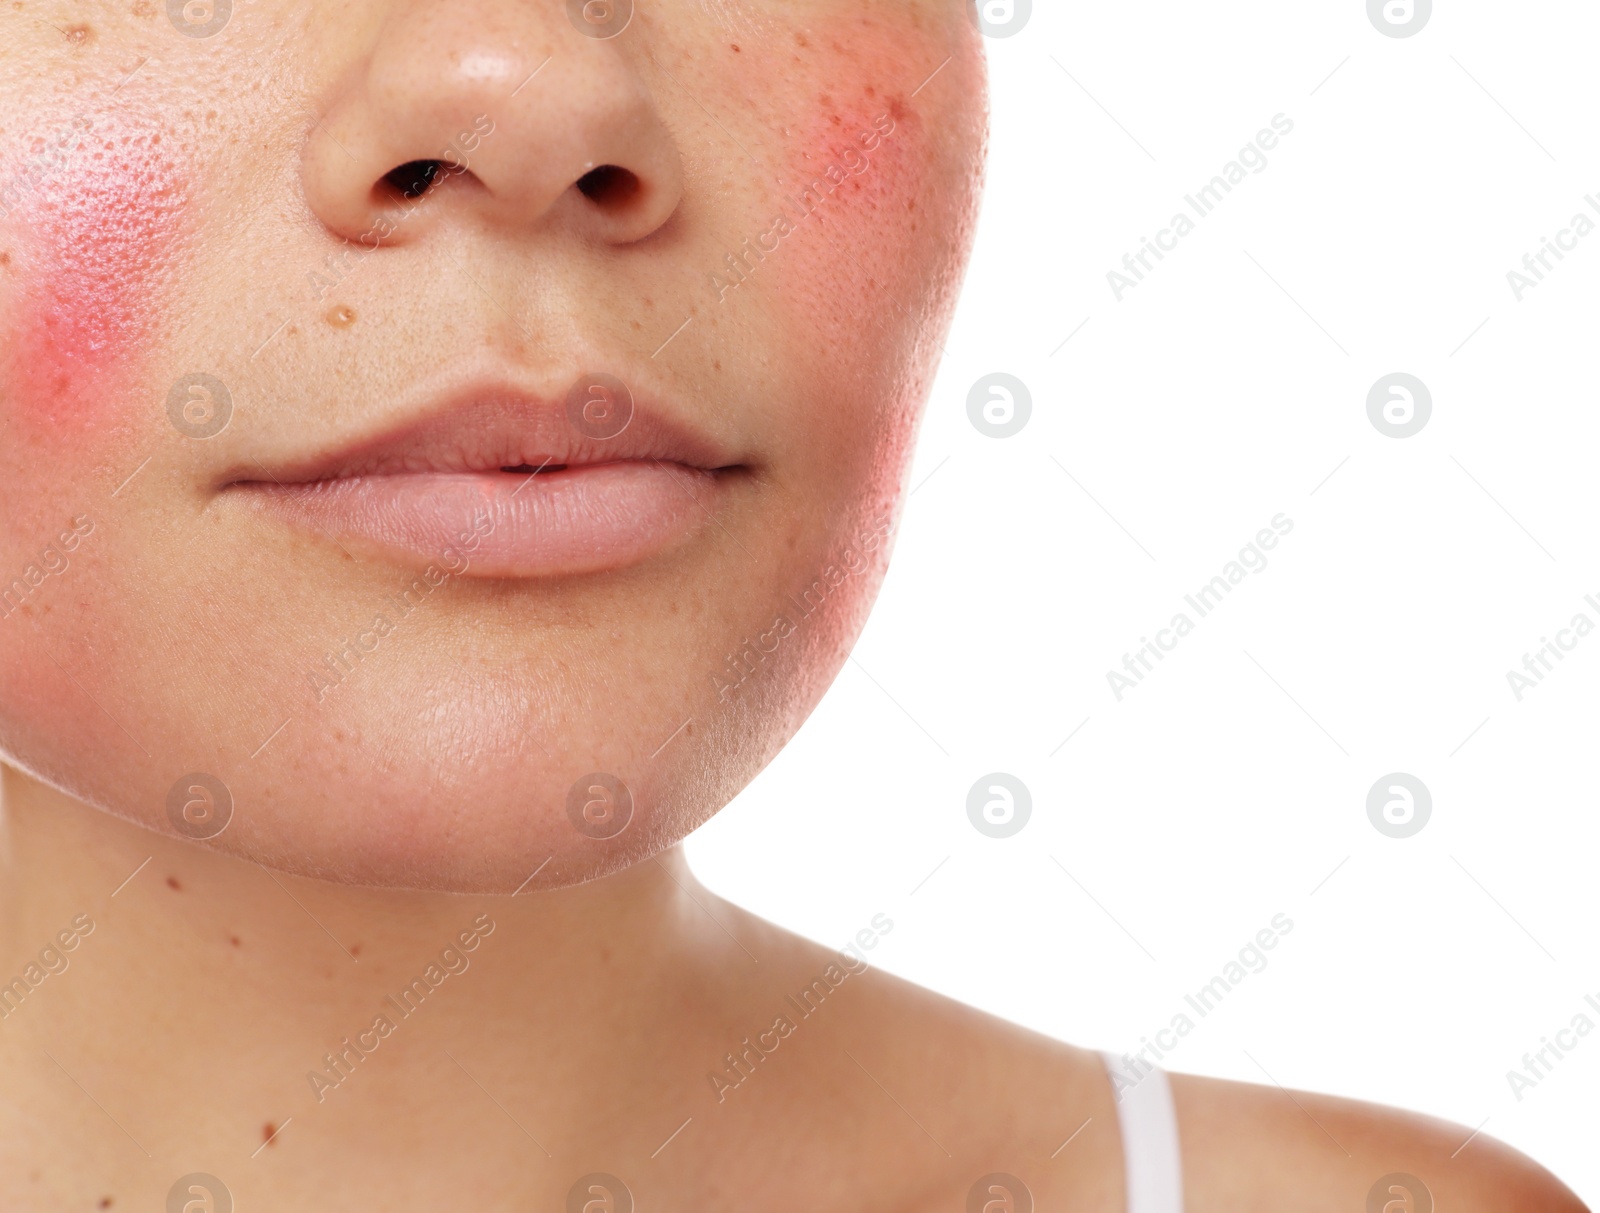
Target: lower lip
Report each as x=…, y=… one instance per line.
x=588, y=519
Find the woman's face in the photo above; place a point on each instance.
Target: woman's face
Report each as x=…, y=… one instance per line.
x=421, y=421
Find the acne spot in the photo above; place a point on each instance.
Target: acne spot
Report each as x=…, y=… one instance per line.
x=143, y=9
x=341, y=317
x=268, y=1130
x=735, y=48
x=801, y=40
x=78, y=35
x=355, y=949
x=172, y=883
x=234, y=940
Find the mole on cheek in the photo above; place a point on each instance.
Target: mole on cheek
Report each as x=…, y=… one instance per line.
x=98, y=227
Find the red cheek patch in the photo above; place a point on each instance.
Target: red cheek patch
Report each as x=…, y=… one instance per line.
x=837, y=209
x=858, y=152
x=97, y=217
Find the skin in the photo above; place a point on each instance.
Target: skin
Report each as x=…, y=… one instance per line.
x=201, y=205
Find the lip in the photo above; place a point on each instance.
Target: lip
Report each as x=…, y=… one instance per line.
x=495, y=482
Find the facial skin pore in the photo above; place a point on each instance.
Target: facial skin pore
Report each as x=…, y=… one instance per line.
x=778, y=277
x=102, y=237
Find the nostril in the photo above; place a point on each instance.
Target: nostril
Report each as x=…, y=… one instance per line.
x=610, y=185
x=412, y=179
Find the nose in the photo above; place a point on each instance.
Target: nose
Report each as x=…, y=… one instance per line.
x=496, y=111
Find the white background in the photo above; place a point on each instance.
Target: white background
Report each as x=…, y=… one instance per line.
x=1228, y=387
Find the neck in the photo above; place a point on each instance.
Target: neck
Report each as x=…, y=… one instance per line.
x=204, y=1001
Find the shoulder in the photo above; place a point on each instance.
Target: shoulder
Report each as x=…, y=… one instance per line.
x=935, y=1097
x=1249, y=1147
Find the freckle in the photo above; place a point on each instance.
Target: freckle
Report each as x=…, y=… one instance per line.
x=267, y=1131
x=735, y=48
x=801, y=40
x=341, y=317
x=716, y=365
x=172, y=883
x=637, y=325
x=105, y=1202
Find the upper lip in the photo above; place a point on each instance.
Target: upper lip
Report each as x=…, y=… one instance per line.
x=490, y=426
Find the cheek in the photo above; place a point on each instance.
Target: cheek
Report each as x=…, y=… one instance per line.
x=847, y=203
x=880, y=188
x=96, y=223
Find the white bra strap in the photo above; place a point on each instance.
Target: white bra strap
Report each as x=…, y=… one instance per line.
x=1152, y=1163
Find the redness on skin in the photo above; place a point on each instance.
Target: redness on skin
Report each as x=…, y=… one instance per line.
x=832, y=225
x=867, y=179
x=97, y=226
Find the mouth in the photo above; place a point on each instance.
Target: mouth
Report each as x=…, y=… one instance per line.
x=496, y=483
